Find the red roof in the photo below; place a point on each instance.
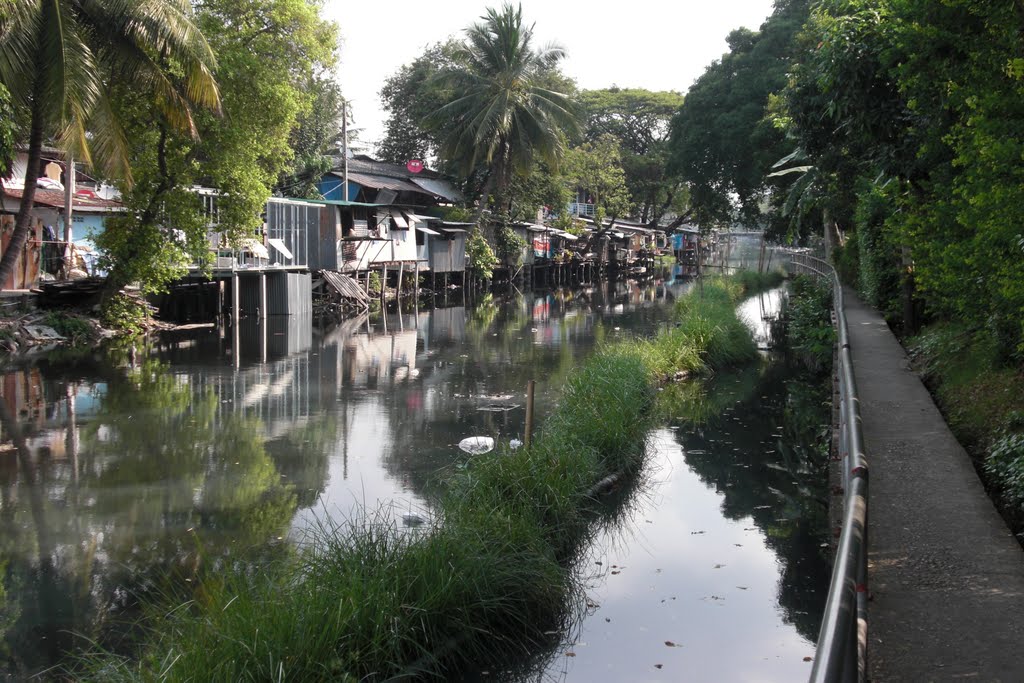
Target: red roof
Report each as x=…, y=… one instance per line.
x=55, y=199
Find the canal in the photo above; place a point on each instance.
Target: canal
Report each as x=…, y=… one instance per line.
x=124, y=476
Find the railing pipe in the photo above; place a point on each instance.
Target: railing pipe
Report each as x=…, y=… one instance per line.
x=842, y=640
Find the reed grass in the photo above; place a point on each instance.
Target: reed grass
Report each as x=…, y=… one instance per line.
x=486, y=581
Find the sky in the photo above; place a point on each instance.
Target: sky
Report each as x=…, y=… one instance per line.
x=652, y=44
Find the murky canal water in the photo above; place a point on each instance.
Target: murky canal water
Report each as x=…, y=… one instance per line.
x=118, y=477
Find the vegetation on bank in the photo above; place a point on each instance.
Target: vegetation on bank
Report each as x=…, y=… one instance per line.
x=486, y=580
x=983, y=404
x=810, y=335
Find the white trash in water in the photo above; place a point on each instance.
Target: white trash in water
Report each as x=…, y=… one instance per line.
x=477, y=445
x=514, y=444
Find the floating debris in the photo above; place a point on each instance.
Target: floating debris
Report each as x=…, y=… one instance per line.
x=498, y=407
x=412, y=519
x=514, y=444
x=477, y=445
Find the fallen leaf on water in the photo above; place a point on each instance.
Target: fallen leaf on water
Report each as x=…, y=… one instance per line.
x=742, y=588
x=719, y=566
x=570, y=654
x=671, y=644
x=807, y=659
x=738, y=545
x=614, y=573
x=608, y=619
x=658, y=666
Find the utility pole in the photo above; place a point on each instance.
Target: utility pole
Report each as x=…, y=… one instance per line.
x=69, y=206
x=344, y=149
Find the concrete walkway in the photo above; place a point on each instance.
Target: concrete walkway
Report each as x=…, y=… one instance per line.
x=946, y=576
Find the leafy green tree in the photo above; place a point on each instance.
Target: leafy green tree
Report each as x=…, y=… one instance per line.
x=597, y=168
x=927, y=96
x=60, y=60
x=6, y=132
x=266, y=50
x=640, y=120
x=722, y=144
x=500, y=114
x=409, y=96
x=315, y=138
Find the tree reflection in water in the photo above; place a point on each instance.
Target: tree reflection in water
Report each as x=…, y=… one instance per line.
x=147, y=490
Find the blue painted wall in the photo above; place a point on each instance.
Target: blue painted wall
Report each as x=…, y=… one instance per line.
x=330, y=187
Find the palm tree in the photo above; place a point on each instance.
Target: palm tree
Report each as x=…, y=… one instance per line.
x=500, y=113
x=59, y=58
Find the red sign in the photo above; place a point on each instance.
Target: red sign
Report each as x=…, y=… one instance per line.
x=414, y=165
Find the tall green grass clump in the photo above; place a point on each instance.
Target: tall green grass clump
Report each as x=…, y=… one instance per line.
x=707, y=334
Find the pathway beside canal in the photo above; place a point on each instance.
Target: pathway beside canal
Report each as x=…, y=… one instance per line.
x=946, y=575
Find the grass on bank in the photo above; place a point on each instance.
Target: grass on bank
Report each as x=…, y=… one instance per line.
x=487, y=581
x=982, y=398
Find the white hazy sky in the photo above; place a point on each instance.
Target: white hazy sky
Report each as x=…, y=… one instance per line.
x=653, y=44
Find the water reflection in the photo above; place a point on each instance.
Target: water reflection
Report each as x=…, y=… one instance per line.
x=121, y=479
x=719, y=570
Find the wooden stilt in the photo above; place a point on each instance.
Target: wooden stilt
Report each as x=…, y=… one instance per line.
x=398, y=288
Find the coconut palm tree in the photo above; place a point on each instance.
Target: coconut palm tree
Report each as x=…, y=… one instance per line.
x=499, y=112
x=59, y=59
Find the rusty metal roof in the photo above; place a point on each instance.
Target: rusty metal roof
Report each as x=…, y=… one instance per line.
x=379, y=182
x=55, y=199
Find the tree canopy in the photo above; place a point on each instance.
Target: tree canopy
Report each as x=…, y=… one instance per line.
x=640, y=120
x=721, y=143
x=267, y=51
x=499, y=112
x=919, y=107
x=60, y=60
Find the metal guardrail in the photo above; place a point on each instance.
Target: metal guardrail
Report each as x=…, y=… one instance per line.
x=842, y=640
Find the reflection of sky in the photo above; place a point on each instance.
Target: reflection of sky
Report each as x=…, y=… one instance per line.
x=408, y=393
x=759, y=311
x=688, y=576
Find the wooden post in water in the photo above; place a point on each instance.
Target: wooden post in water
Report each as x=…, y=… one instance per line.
x=528, y=431
x=416, y=283
x=383, y=283
x=398, y=288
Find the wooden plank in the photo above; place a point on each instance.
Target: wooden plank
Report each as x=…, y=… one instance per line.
x=345, y=286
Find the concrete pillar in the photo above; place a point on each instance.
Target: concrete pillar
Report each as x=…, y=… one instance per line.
x=263, y=296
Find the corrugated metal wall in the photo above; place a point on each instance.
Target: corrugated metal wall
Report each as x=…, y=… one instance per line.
x=448, y=255
x=287, y=294
x=292, y=222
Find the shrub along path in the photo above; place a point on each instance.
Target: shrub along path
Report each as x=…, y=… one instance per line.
x=945, y=573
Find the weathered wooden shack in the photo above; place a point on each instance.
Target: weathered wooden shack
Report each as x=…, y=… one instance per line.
x=447, y=251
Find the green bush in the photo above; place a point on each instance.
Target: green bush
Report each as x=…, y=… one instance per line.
x=125, y=313
x=810, y=334
x=74, y=328
x=481, y=257
x=1005, y=462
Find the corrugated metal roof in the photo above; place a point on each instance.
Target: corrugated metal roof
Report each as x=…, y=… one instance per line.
x=380, y=182
x=439, y=188
x=55, y=199
x=427, y=231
